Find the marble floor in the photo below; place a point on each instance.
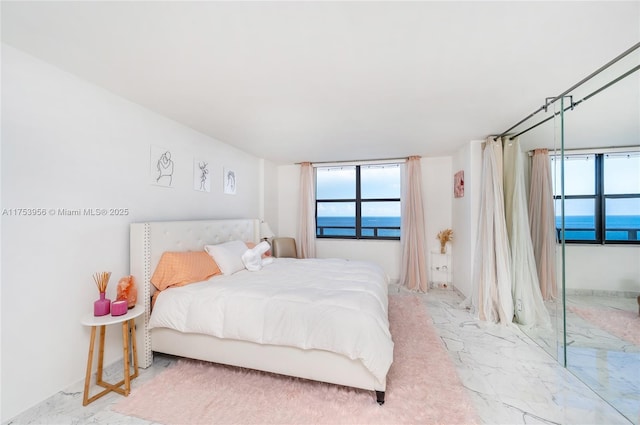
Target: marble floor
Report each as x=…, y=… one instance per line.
x=510, y=379
x=609, y=364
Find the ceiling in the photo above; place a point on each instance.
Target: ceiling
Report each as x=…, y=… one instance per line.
x=330, y=81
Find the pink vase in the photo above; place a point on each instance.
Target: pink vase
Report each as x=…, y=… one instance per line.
x=102, y=307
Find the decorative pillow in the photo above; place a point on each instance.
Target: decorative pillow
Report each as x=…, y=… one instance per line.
x=183, y=268
x=252, y=245
x=252, y=258
x=228, y=256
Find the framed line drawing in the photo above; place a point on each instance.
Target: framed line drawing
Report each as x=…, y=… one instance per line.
x=162, y=166
x=458, y=184
x=201, y=175
x=229, y=177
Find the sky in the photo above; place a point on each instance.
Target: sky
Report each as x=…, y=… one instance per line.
x=377, y=181
x=621, y=176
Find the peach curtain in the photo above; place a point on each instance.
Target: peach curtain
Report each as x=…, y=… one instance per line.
x=413, y=272
x=542, y=223
x=306, y=213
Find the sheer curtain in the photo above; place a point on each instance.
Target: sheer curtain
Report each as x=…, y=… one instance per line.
x=491, y=297
x=413, y=271
x=542, y=223
x=525, y=289
x=306, y=213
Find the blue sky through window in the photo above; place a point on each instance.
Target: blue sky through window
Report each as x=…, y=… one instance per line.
x=377, y=181
x=621, y=176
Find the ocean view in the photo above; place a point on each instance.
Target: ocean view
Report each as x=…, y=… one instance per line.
x=622, y=226
x=346, y=226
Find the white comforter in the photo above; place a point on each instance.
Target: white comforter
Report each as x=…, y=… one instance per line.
x=328, y=304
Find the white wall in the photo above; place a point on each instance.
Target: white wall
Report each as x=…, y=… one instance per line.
x=288, y=192
x=601, y=267
x=465, y=215
x=268, y=186
x=70, y=144
x=437, y=187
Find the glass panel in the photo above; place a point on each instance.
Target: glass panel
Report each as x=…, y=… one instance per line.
x=596, y=277
x=622, y=220
x=336, y=182
x=336, y=219
x=590, y=350
x=622, y=173
x=579, y=175
x=378, y=215
x=380, y=181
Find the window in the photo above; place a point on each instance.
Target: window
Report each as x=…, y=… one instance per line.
x=358, y=201
x=602, y=197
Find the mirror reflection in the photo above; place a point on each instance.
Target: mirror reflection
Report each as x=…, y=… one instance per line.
x=594, y=155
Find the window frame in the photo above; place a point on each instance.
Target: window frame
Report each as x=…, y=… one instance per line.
x=600, y=201
x=358, y=201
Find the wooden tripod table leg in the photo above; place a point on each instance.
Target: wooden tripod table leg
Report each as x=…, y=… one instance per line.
x=103, y=330
x=87, y=379
x=125, y=349
x=132, y=329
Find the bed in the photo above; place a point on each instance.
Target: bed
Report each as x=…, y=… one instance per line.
x=150, y=240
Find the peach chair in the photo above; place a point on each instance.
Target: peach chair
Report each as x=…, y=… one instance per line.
x=284, y=247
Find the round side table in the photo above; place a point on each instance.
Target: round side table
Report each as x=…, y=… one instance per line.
x=128, y=332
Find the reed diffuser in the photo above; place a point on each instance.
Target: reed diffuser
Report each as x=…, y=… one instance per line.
x=102, y=306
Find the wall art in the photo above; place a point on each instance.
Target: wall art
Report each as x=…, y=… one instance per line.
x=458, y=184
x=201, y=175
x=162, y=166
x=229, y=182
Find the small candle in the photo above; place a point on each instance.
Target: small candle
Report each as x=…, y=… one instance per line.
x=119, y=307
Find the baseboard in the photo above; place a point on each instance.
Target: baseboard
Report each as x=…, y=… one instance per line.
x=601, y=293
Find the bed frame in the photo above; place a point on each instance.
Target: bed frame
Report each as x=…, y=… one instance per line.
x=150, y=240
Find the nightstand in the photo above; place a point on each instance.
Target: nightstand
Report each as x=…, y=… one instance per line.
x=440, y=270
x=128, y=333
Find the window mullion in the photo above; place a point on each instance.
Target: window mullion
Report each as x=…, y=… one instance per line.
x=600, y=212
x=358, y=205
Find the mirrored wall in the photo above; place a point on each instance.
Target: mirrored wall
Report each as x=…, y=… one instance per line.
x=593, y=137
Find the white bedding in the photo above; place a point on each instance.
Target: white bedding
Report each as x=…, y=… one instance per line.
x=328, y=304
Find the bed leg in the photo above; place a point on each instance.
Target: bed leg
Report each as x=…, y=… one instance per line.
x=380, y=397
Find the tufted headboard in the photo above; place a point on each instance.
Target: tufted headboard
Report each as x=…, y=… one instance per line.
x=149, y=240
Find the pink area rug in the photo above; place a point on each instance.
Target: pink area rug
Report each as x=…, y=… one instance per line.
x=623, y=324
x=422, y=388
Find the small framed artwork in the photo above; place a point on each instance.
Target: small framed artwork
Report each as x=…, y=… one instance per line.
x=162, y=166
x=458, y=184
x=229, y=182
x=201, y=177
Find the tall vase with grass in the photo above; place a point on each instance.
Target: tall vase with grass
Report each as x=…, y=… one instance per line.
x=444, y=236
x=102, y=306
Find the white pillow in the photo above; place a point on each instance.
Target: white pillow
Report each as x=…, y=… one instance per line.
x=228, y=256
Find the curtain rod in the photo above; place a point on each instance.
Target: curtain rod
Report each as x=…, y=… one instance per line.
x=584, y=80
x=574, y=104
x=587, y=151
x=367, y=161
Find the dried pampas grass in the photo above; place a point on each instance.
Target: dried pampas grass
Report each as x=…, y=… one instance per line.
x=444, y=236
